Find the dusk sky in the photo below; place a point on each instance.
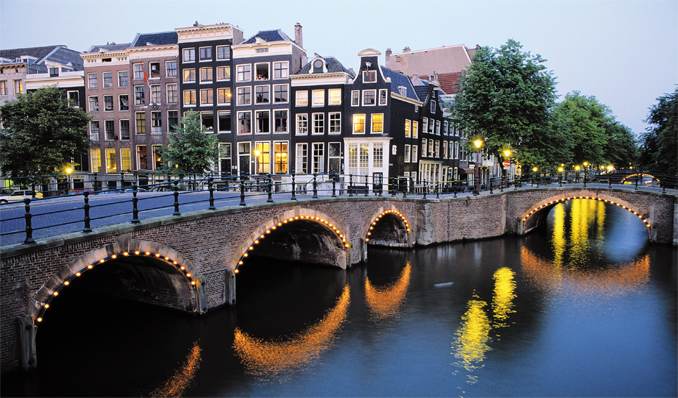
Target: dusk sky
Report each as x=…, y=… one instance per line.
x=624, y=52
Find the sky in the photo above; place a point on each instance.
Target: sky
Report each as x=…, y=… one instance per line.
x=624, y=52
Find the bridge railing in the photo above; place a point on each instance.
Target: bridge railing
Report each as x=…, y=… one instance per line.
x=87, y=210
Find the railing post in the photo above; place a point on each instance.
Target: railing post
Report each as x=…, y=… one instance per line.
x=270, y=190
x=315, y=185
x=491, y=191
x=454, y=190
x=242, y=192
x=87, y=227
x=437, y=190
x=210, y=187
x=367, y=185
x=95, y=187
x=350, y=185
x=135, y=205
x=425, y=189
x=294, y=188
x=29, y=228
x=334, y=187
x=585, y=175
x=176, y=199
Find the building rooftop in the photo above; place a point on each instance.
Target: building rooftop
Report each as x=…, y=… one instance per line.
x=154, y=39
x=400, y=80
x=108, y=47
x=57, y=53
x=268, y=36
x=331, y=64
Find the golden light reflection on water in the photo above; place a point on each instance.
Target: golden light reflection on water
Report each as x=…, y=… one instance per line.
x=502, y=299
x=177, y=384
x=472, y=337
x=558, y=240
x=580, y=218
x=385, y=302
x=262, y=357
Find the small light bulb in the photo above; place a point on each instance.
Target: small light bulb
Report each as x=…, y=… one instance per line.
x=39, y=319
x=67, y=283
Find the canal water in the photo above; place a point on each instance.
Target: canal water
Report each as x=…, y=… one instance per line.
x=583, y=306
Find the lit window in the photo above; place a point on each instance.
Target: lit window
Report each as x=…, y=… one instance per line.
x=206, y=75
x=262, y=157
x=111, y=161
x=140, y=123
x=301, y=98
x=377, y=123
x=408, y=128
x=359, y=123
x=126, y=159
x=415, y=129
x=189, y=97
x=317, y=98
x=223, y=73
x=206, y=96
x=189, y=75
x=334, y=96
x=223, y=95
x=95, y=159
x=280, y=157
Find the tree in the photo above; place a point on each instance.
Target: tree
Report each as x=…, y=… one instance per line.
x=506, y=95
x=41, y=132
x=659, y=151
x=190, y=150
x=621, y=148
x=584, y=120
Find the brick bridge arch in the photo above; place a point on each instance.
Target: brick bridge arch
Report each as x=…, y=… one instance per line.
x=399, y=235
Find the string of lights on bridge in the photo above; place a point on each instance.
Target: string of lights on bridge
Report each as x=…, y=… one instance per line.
x=383, y=214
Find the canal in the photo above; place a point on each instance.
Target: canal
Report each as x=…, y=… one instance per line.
x=582, y=306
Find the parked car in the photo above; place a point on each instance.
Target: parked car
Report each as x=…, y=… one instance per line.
x=18, y=196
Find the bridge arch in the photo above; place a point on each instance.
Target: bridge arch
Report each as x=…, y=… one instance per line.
x=337, y=241
x=641, y=175
x=532, y=217
x=118, y=251
x=388, y=227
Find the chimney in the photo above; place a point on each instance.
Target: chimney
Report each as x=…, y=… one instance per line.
x=407, y=49
x=388, y=54
x=298, y=35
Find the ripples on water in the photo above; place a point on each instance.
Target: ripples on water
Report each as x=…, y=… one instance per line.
x=581, y=306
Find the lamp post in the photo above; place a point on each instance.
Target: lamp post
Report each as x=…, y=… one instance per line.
x=68, y=170
x=561, y=173
x=535, y=169
x=477, y=145
x=586, y=165
x=506, y=153
x=576, y=169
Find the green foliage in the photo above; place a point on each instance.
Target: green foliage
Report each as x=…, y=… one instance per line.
x=41, y=133
x=190, y=150
x=659, y=149
x=506, y=95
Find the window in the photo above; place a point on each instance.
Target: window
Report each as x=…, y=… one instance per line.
x=138, y=71
x=280, y=121
x=156, y=123
x=377, y=123
x=244, y=157
x=424, y=142
x=355, y=97
x=108, y=103
x=124, y=129
x=140, y=122
x=317, y=98
x=301, y=123
x=109, y=130
x=408, y=128
x=223, y=73
x=280, y=157
x=245, y=122
x=415, y=149
x=334, y=123
x=94, y=130
x=224, y=153
x=281, y=93
x=205, y=53
x=111, y=161
x=170, y=69
x=207, y=121
x=281, y=70
x=262, y=157
x=18, y=86
x=430, y=148
x=407, y=153
x=53, y=72
x=383, y=97
x=224, y=122
x=73, y=98
x=243, y=73
x=91, y=80
x=445, y=150
x=369, y=76
x=378, y=155
x=433, y=107
x=189, y=75
x=123, y=102
x=437, y=149
x=139, y=95
x=206, y=75
x=424, y=124
x=142, y=157
x=261, y=71
x=301, y=161
x=318, y=160
x=123, y=79
x=223, y=53
x=224, y=95
x=3, y=87
x=206, y=96
x=189, y=98
x=415, y=129
x=334, y=158
x=156, y=94
x=301, y=98
x=95, y=159
x=334, y=96
x=244, y=95
x=263, y=125
x=262, y=94
x=172, y=120
x=431, y=126
x=188, y=55
x=157, y=156
x=318, y=123
x=154, y=68
x=437, y=127
x=359, y=123
x=369, y=97
x=93, y=104
x=172, y=93
x=107, y=78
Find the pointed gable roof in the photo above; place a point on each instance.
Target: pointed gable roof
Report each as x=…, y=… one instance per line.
x=268, y=36
x=399, y=80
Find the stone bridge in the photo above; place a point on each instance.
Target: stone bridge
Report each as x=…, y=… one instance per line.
x=191, y=262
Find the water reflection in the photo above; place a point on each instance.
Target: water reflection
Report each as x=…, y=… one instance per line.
x=385, y=302
x=268, y=358
x=472, y=337
x=502, y=299
x=177, y=384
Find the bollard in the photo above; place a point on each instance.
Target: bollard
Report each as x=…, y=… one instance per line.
x=334, y=187
x=350, y=185
x=425, y=189
x=269, y=188
x=242, y=192
x=29, y=228
x=86, y=219
x=367, y=186
x=315, y=186
x=176, y=199
x=294, y=188
x=135, y=205
x=210, y=187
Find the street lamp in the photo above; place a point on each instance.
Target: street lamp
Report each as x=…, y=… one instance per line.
x=68, y=170
x=506, y=153
x=477, y=144
x=586, y=165
x=577, y=168
x=561, y=172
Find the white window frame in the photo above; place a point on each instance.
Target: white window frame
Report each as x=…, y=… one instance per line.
x=319, y=105
x=183, y=55
x=112, y=103
x=254, y=71
x=329, y=123
x=382, y=90
x=237, y=124
x=254, y=95
x=313, y=118
x=355, y=99
x=238, y=95
x=383, y=122
x=211, y=80
x=287, y=75
x=297, y=95
x=321, y=163
x=296, y=124
x=415, y=151
x=176, y=69
x=287, y=123
x=303, y=159
x=206, y=59
x=329, y=96
x=406, y=153
x=237, y=73
x=273, y=93
x=369, y=91
x=216, y=69
x=219, y=130
x=224, y=88
x=103, y=79
x=367, y=73
x=176, y=93
x=256, y=122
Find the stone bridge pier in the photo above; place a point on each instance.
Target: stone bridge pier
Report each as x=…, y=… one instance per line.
x=191, y=262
